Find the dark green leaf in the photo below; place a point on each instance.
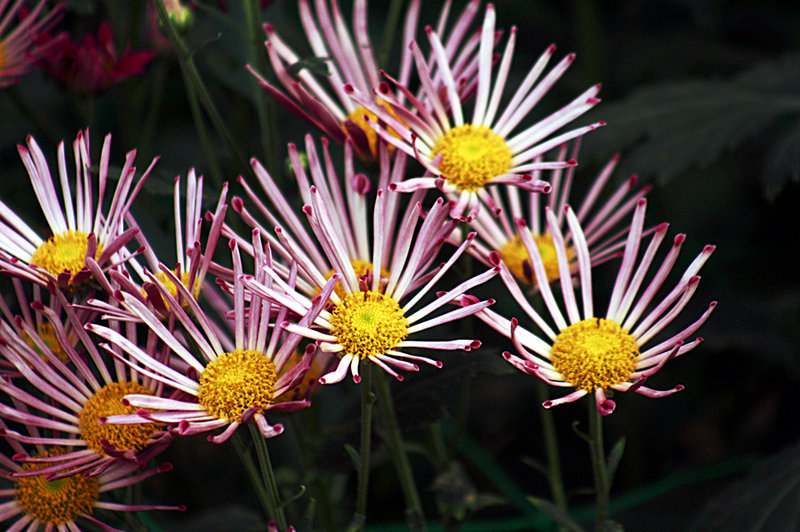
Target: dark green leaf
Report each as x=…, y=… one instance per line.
x=556, y=514
x=766, y=499
x=614, y=458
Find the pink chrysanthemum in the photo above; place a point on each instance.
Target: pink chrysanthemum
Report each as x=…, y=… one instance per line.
x=84, y=238
x=68, y=399
x=381, y=273
x=18, y=51
x=349, y=58
x=39, y=503
x=226, y=387
x=520, y=223
x=193, y=262
x=597, y=354
x=465, y=157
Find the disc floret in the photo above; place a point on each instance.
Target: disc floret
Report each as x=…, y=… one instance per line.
x=368, y=324
x=515, y=255
x=108, y=402
x=55, y=502
x=65, y=251
x=595, y=354
x=236, y=382
x=472, y=156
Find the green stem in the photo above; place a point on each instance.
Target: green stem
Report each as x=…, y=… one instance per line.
x=367, y=401
x=554, y=476
x=601, y=483
x=192, y=77
x=394, y=440
x=243, y=450
x=268, y=476
x=392, y=20
x=264, y=106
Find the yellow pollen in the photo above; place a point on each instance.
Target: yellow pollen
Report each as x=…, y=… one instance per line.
x=594, y=354
x=368, y=323
x=361, y=267
x=357, y=117
x=66, y=251
x=48, y=335
x=108, y=402
x=58, y=501
x=235, y=382
x=514, y=255
x=472, y=156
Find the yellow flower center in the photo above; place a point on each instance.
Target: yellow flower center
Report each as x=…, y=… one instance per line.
x=66, y=251
x=173, y=290
x=108, y=402
x=368, y=323
x=516, y=257
x=48, y=335
x=594, y=354
x=361, y=267
x=472, y=156
x=235, y=382
x=357, y=117
x=58, y=501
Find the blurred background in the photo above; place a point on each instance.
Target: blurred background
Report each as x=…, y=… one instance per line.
x=702, y=100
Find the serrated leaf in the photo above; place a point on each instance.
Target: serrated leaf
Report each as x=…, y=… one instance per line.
x=783, y=162
x=768, y=498
x=556, y=514
x=677, y=126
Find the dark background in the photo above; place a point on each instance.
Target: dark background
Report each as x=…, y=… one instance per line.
x=703, y=101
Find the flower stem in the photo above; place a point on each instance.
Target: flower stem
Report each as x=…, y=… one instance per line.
x=268, y=476
x=394, y=440
x=601, y=481
x=243, y=450
x=367, y=401
x=554, y=476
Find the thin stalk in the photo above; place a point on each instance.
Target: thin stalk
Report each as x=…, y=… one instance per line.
x=392, y=21
x=192, y=77
x=263, y=105
x=554, y=476
x=200, y=127
x=367, y=401
x=601, y=484
x=394, y=440
x=243, y=450
x=268, y=476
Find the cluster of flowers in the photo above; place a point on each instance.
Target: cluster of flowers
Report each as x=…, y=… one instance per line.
x=113, y=350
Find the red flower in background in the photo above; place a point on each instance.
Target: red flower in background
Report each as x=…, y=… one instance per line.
x=94, y=65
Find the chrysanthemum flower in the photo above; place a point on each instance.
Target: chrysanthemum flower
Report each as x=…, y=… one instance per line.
x=83, y=236
x=70, y=399
x=18, y=52
x=346, y=196
x=39, y=503
x=381, y=274
x=224, y=388
x=522, y=214
x=465, y=157
x=348, y=57
x=93, y=65
x=192, y=261
x=596, y=354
